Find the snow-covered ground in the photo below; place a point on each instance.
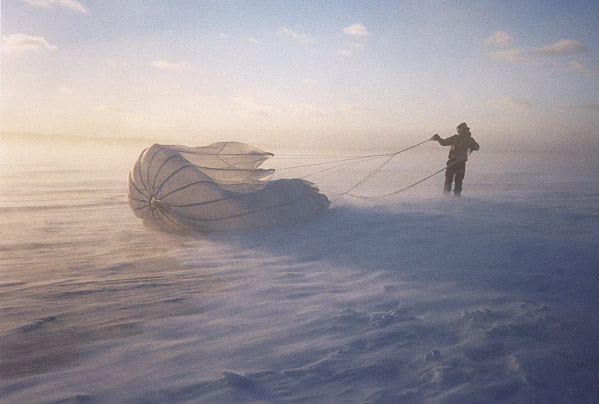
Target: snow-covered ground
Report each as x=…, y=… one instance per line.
x=419, y=298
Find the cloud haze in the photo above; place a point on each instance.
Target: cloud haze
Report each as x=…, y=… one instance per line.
x=301, y=38
x=251, y=107
x=562, y=47
x=510, y=54
x=508, y=102
x=23, y=42
x=163, y=64
x=565, y=46
x=356, y=31
x=344, y=52
x=353, y=108
x=499, y=38
x=66, y=90
x=116, y=63
x=70, y=4
x=576, y=66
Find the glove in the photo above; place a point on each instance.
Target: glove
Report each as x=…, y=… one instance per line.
x=436, y=137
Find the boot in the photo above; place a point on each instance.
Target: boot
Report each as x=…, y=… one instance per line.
x=447, y=188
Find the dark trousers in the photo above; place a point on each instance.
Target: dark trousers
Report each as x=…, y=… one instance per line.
x=454, y=173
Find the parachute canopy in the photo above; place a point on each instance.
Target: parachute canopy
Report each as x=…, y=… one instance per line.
x=215, y=187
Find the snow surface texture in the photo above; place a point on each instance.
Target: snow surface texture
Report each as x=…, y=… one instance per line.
x=216, y=187
x=491, y=298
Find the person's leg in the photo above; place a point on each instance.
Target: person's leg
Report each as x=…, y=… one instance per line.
x=460, y=172
x=449, y=174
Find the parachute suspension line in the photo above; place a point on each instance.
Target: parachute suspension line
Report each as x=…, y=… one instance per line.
x=336, y=161
x=371, y=156
x=371, y=174
x=462, y=158
x=338, y=167
x=366, y=178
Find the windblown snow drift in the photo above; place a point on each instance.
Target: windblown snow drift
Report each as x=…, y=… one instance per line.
x=215, y=187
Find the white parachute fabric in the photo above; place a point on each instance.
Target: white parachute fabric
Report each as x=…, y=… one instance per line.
x=215, y=187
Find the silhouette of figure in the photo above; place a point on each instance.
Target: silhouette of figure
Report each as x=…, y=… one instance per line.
x=458, y=155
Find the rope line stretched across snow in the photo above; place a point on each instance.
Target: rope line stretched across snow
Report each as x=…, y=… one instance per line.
x=343, y=163
x=374, y=172
x=462, y=158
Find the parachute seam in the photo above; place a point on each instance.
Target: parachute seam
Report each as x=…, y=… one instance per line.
x=132, y=181
x=218, y=154
x=171, y=176
x=242, y=214
x=141, y=177
x=150, y=164
x=167, y=215
x=141, y=207
x=186, y=186
x=189, y=205
x=158, y=172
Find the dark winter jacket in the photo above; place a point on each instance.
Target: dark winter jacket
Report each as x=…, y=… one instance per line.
x=459, y=145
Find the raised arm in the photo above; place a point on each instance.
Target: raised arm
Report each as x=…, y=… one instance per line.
x=442, y=142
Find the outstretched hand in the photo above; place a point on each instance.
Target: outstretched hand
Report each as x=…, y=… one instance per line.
x=436, y=137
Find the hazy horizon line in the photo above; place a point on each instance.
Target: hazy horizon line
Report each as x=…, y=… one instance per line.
x=568, y=145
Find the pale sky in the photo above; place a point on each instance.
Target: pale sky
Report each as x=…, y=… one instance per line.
x=302, y=73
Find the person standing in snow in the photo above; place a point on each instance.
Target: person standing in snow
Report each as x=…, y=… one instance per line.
x=460, y=144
